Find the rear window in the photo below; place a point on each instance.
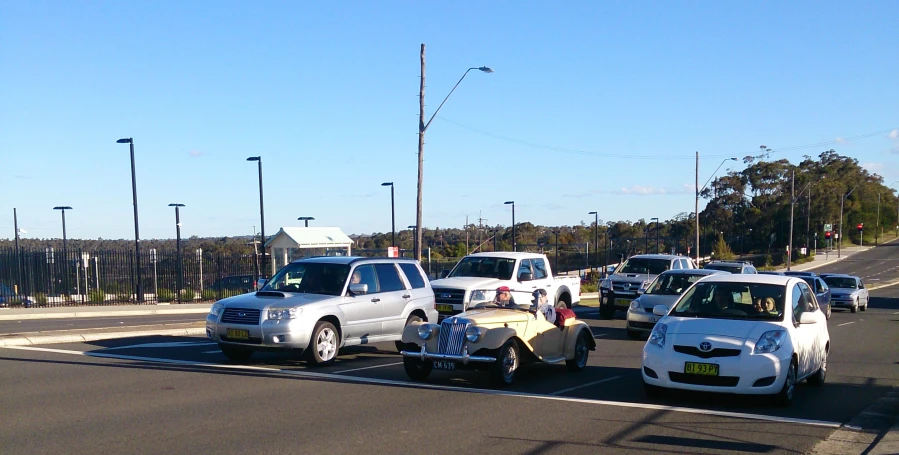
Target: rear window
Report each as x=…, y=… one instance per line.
x=840, y=282
x=413, y=275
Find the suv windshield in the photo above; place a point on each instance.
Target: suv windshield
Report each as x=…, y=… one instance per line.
x=730, y=300
x=840, y=282
x=732, y=268
x=672, y=283
x=310, y=278
x=645, y=265
x=484, y=267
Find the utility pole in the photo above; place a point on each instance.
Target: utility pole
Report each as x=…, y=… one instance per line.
x=421, y=157
x=467, y=251
x=696, y=209
x=792, y=203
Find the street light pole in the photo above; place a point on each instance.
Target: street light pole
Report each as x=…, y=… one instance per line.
x=178, y=246
x=556, y=266
x=514, y=245
x=422, y=128
x=596, y=237
x=258, y=159
x=139, y=291
x=15, y=220
x=657, y=233
x=700, y=190
x=392, y=215
x=306, y=219
x=65, y=256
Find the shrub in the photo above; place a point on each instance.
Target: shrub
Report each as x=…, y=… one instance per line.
x=40, y=298
x=165, y=295
x=208, y=294
x=589, y=287
x=97, y=296
x=124, y=297
x=188, y=295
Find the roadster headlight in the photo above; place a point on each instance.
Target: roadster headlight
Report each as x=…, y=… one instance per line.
x=284, y=313
x=479, y=296
x=635, y=305
x=216, y=309
x=426, y=331
x=657, y=337
x=473, y=333
x=770, y=341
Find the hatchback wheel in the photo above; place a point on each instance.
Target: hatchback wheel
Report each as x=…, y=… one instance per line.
x=854, y=307
x=785, y=396
x=818, y=378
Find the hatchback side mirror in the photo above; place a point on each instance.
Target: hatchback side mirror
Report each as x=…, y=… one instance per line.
x=807, y=318
x=660, y=310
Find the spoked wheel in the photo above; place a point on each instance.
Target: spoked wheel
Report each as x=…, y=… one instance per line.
x=581, y=352
x=323, y=345
x=502, y=372
x=417, y=369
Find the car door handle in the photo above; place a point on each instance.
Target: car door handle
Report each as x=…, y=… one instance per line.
x=406, y=296
x=549, y=285
x=376, y=300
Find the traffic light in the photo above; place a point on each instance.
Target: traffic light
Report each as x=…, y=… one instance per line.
x=860, y=226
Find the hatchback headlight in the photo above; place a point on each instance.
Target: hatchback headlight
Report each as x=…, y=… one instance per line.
x=473, y=333
x=284, y=313
x=216, y=309
x=770, y=341
x=657, y=337
x=426, y=331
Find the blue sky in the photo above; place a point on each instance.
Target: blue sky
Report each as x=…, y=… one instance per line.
x=593, y=106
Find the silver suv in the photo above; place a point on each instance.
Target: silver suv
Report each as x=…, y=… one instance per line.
x=618, y=290
x=738, y=267
x=315, y=306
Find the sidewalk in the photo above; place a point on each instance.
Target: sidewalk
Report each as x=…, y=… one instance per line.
x=21, y=314
x=823, y=258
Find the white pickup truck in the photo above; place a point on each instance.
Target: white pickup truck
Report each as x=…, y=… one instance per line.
x=521, y=272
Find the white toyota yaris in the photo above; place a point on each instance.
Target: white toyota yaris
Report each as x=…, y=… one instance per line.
x=746, y=334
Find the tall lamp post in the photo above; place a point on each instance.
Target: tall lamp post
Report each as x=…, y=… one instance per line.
x=596, y=239
x=178, y=246
x=657, y=233
x=15, y=220
x=793, y=198
x=514, y=245
x=700, y=190
x=306, y=219
x=422, y=128
x=392, y=215
x=65, y=256
x=556, y=266
x=840, y=240
x=258, y=160
x=139, y=291
x=897, y=210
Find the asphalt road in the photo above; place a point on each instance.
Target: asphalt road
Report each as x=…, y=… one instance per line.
x=875, y=266
x=179, y=395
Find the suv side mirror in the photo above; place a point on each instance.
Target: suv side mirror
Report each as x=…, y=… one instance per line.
x=444, y=273
x=260, y=283
x=358, y=288
x=526, y=276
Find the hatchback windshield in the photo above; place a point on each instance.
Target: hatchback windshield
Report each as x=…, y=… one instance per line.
x=310, y=278
x=484, y=267
x=841, y=282
x=645, y=265
x=730, y=300
x=672, y=283
x=732, y=268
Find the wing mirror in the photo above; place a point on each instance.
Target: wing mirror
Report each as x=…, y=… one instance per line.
x=660, y=310
x=807, y=318
x=358, y=288
x=525, y=277
x=260, y=283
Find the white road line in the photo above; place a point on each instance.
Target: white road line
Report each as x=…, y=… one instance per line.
x=174, y=344
x=368, y=368
x=217, y=351
x=362, y=380
x=845, y=323
x=896, y=312
x=559, y=392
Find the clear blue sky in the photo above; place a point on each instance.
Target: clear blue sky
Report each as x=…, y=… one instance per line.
x=593, y=106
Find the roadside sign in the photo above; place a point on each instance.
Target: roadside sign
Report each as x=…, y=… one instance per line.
x=828, y=227
x=802, y=251
x=393, y=252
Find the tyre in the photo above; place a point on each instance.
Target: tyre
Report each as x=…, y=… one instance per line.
x=412, y=318
x=236, y=354
x=633, y=334
x=581, y=352
x=606, y=311
x=854, y=307
x=829, y=307
x=323, y=345
x=785, y=396
x=818, y=378
x=653, y=391
x=502, y=372
x=417, y=369
x=562, y=304
x=865, y=308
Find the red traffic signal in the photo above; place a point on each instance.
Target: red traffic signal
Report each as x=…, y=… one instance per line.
x=860, y=226
x=827, y=235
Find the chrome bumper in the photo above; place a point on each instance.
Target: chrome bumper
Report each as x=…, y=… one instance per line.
x=464, y=358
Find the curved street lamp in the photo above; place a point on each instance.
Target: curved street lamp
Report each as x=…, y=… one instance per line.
x=392, y=215
x=139, y=291
x=258, y=159
x=178, y=246
x=698, y=190
x=306, y=219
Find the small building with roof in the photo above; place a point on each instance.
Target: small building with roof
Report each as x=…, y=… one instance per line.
x=292, y=243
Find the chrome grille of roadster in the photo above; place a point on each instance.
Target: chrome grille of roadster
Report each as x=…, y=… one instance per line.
x=452, y=336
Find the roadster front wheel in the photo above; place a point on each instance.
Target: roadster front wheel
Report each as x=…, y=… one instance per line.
x=417, y=369
x=502, y=372
x=581, y=352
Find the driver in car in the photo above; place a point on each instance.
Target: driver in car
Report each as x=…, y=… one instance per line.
x=722, y=300
x=503, y=297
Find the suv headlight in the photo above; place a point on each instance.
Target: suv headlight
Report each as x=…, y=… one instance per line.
x=284, y=313
x=216, y=309
x=770, y=341
x=473, y=333
x=605, y=284
x=427, y=331
x=657, y=337
x=635, y=305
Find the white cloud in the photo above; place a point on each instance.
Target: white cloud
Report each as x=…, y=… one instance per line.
x=874, y=168
x=840, y=140
x=894, y=134
x=196, y=153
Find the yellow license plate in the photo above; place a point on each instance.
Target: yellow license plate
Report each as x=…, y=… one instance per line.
x=623, y=302
x=239, y=334
x=703, y=369
x=445, y=308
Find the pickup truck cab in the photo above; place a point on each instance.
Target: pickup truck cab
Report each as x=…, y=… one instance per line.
x=479, y=271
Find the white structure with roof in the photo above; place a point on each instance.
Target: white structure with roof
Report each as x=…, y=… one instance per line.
x=291, y=243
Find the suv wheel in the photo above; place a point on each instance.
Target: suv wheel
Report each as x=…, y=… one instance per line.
x=235, y=354
x=323, y=345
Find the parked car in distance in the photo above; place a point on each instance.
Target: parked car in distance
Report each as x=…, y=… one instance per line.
x=234, y=284
x=847, y=291
x=620, y=288
x=822, y=292
x=9, y=298
x=731, y=266
x=498, y=336
x=315, y=306
x=772, y=272
x=664, y=290
x=799, y=273
x=743, y=334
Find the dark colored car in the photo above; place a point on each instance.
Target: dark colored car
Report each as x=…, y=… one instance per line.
x=731, y=266
x=822, y=292
x=235, y=284
x=771, y=272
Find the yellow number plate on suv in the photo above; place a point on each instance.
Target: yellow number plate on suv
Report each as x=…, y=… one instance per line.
x=239, y=334
x=445, y=308
x=704, y=369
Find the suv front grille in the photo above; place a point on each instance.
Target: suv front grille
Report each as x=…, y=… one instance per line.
x=450, y=296
x=619, y=287
x=243, y=316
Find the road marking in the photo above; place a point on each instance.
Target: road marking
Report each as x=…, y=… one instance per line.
x=217, y=351
x=559, y=392
x=173, y=344
x=368, y=368
x=417, y=385
x=845, y=323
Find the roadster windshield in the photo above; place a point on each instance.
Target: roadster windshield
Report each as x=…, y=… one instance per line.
x=484, y=267
x=310, y=278
x=644, y=265
x=672, y=283
x=730, y=300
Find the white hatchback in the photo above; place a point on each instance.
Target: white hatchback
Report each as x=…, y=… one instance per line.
x=745, y=334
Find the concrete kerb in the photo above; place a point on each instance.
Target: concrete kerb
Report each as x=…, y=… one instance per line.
x=88, y=337
x=94, y=312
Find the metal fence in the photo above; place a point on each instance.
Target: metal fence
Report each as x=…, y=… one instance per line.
x=55, y=278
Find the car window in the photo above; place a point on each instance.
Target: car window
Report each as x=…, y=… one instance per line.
x=413, y=275
x=524, y=267
x=861, y=284
x=539, y=269
x=732, y=268
x=672, y=283
x=484, y=267
x=798, y=302
x=675, y=265
x=310, y=278
x=365, y=274
x=822, y=286
x=731, y=300
x=809, y=297
x=751, y=269
x=644, y=265
x=388, y=278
